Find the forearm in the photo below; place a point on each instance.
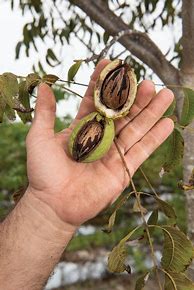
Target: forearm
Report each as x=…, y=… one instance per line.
x=32, y=239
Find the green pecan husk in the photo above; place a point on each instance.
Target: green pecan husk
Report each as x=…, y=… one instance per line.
x=92, y=137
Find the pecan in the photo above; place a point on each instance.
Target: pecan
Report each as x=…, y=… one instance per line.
x=87, y=139
x=115, y=88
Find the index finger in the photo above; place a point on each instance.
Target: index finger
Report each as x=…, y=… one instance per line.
x=87, y=104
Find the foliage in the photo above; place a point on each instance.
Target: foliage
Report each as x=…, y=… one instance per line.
x=13, y=174
x=12, y=156
x=48, y=22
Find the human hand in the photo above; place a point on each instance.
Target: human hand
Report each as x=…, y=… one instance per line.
x=76, y=191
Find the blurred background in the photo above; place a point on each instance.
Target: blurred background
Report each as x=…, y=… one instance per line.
x=47, y=36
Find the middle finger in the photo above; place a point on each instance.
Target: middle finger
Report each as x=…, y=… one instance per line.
x=145, y=93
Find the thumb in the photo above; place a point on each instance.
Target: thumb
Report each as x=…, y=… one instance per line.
x=45, y=110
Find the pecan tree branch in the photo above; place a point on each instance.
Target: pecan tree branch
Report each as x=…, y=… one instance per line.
x=188, y=36
x=138, y=43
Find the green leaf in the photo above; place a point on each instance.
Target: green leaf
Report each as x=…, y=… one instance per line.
x=167, y=209
x=32, y=80
x=116, y=259
x=177, y=251
x=153, y=219
x=141, y=281
x=9, y=87
x=8, y=95
x=17, y=49
x=10, y=113
x=73, y=70
x=50, y=79
x=111, y=222
x=105, y=37
x=175, y=147
x=2, y=107
x=187, y=114
x=98, y=37
x=181, y=281
x=136, y=207
x=51, y=56
x=24, y=99
x=170, y=110
x=41, y=69
x=120, y=201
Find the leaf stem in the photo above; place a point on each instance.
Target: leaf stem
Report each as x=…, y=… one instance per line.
x=70, y=91
x=148, y=182
x=142, y=214
x=170, y=277
x=65, y=88
x=72, y=82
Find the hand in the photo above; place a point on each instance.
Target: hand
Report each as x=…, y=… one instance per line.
x=75, y=191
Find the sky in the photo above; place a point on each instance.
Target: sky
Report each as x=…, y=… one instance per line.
x=11, y=24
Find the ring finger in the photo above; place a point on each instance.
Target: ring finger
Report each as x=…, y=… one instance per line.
x=140, y=125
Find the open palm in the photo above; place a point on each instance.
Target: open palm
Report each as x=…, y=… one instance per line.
x=79, y=191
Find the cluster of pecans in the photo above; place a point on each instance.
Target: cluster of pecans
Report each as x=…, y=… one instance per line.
x=114, y=95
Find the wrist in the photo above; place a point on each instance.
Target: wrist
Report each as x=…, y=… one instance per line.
x=44, y=223
x=32, y=240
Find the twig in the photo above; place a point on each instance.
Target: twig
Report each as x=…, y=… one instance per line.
x=120, y=53
x=105, y=50
x=23, y=110
x=142, y=215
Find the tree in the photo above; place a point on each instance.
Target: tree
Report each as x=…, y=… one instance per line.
x=96, y=21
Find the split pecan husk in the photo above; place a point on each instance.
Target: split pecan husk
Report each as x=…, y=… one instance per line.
x=115, y=90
